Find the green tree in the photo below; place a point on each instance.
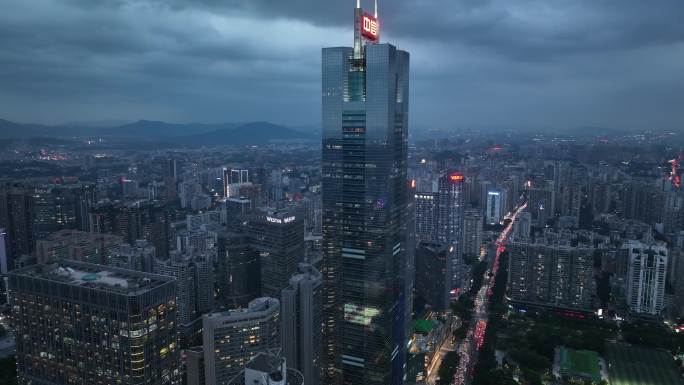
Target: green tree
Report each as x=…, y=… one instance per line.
x=448, y=368
x=8, y=371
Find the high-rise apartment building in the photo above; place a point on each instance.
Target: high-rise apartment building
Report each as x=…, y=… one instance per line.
x=89, y=324
x=232, y=338
x=426, y=216
x=472, y=232
x=646, y=277
x=541, y=205
x=78, y=246
x=551, y=273
x=365, y=207
x=451, y=208
x=302, y=323
x=194, y=283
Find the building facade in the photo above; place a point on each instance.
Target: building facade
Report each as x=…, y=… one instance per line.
x=302, y=323
x=434, y=275
x=646, y=277
x=279, y=239
x=451, y=207
x=365, y=208
x=551, y=274
x=90, y=324
x=472, y=232
x=232, y=338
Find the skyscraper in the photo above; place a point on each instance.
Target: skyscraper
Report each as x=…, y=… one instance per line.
x=279, y=238
x=365, y=207
x=495, y=207
x=194, y=284
x=451, y=207
x=301, y=314
x=90, y=324
x=426, y=216
x=646, y=277
x=433, y=274
x=238, y=275
x=17, y=214
x=472, y=232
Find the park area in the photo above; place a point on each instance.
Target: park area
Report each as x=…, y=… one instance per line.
x=631, y=365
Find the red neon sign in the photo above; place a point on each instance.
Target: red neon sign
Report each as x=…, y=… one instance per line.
x=370, y=28
x=456, y=178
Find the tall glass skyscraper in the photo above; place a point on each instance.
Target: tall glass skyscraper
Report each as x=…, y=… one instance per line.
x=365, y=208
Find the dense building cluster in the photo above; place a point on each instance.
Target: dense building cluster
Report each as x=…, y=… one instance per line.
x=353, y=259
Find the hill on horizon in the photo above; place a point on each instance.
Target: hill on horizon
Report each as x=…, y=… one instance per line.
x=190, y=134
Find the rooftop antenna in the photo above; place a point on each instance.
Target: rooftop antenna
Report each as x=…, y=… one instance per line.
x=376, y=9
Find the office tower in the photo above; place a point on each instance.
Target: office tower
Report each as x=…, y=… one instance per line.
x=551, y=273
x=78, y=246
x=238, y=271
x=194, y=284
x=434, y=275
x=237, y=206
x=646, y=277
x=234, y=210
x=279, y=239
x=17, y=215
x=194, y=366
x=495, y=206
x=365, y=207
x=302, y=323
x=4, y=267
x=472, y=232
x=232, y=338
x=426, y=216
x=451, y=208
x=89, y=324
x=170, y=170
x=269, y=369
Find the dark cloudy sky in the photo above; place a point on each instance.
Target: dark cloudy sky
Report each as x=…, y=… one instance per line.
x=531, y=63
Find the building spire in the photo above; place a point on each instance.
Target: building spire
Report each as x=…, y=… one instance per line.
x=376, y=9
x=358, y=44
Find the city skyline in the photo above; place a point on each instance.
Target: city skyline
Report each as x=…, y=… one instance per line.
x=612, y=64
x=376, y=250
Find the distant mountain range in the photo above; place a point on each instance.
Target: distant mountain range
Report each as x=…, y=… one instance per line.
x=191, y=134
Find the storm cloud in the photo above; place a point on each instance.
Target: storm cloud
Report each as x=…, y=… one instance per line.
x=526, y=63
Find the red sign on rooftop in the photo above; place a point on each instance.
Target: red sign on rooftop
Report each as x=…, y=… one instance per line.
x=456, y=177
x=370, y=28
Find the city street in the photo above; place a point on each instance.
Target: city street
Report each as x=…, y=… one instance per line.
x=469, y=348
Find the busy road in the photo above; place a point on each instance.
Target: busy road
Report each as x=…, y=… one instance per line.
x=469, y=348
